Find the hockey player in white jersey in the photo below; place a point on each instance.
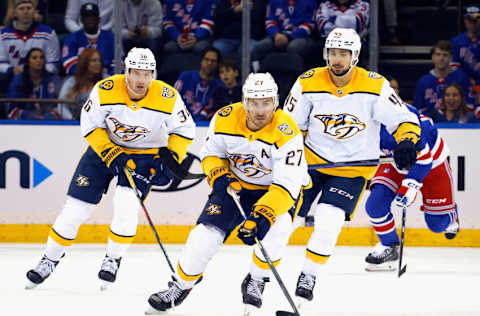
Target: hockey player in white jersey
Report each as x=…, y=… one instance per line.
x=257, y=151
x=340, y=109
x=125, y=121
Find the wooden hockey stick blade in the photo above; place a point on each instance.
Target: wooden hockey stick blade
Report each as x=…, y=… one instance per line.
x=356, y=163
x=402, y=270
x=283, y=313
x=177, y=170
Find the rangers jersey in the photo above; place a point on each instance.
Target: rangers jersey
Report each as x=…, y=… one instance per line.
x=291, y=17
x=193, y=16
x=433, y=149
x=430, y=88
x=270, y=159
x=111, y=119
x=466, y=54
x=352, y=14
x=15, y=45
x=76, y=42
x=343, y=124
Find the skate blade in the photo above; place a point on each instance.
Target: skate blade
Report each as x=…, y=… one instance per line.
x=249, y=310
x=301, y=302
x=382, y=267
x=152, y=311
x=30, y=285
x=104, y=285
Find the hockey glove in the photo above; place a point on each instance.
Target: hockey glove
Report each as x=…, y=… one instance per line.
x=257, y=224
x=405, y=154
x=162, y=175
x=220, y=178
x=407, y=192
x=116, y=159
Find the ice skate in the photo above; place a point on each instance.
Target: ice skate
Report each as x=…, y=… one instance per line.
x=108, y=271
x=252, y=291
x=42, y=271
x=304, y=290
x=165, y=300
x=452, y=230
x=382, y=258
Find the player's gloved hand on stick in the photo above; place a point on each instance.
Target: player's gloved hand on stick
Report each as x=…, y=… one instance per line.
x=407, y=192
x=257, y=224
x=405, y=154
x=220, y=178
x=116, y=159
x=162, y=175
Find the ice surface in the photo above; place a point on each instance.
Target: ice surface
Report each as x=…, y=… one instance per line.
x=438, y=281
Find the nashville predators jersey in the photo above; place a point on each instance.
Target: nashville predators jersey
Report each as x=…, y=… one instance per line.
x=343, y=123
x=110, y=118
x=270, y=159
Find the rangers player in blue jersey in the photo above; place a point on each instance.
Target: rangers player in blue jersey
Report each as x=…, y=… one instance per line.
x=431, y=175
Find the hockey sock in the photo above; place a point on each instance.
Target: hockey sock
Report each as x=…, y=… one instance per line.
x=378, y=210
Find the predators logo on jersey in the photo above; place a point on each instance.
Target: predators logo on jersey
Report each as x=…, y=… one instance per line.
x=341, y=126
x=214, y=209
x=249, y=165
x=128, y=133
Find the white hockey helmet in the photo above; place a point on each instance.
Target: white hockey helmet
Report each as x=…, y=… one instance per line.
x=140, y=58
x=343, y=38
x=259, y=85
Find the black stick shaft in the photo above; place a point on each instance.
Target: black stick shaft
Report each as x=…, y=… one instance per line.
x=150, y=222
x=357, y=163
x=402, y=270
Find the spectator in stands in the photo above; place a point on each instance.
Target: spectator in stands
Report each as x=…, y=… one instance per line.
x=196, y=86
x=353, y=14
x=35, y=82
x=77, y=88
x=430, y=87
x=289, y=25
x=22, y=35
x=466, y=46
x=188, y=24
x=73, y=21
x=89, y=36
x=453, y=107
x=395, y=85
x=231, y=91
x=228, y=24
x=40, y=9
x=142, y=24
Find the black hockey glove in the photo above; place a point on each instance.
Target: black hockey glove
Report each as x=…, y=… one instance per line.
x=405, y=154
x=257, y=224
x=220, y=178
x=163, y=175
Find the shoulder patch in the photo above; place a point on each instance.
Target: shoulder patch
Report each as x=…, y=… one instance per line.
x=286, y=129
x=225, y=111
x=107, y=85
x=307, y=74
x=374, y=75
x=168, y=93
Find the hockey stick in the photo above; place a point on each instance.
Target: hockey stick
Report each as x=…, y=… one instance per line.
x=402, y=270
x=357, y=163
x=236, y=198
x=134, y=187
x=177, y=170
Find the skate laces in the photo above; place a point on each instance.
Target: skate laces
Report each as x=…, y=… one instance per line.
x=109, y=265
x=306, y=281
x=255, y=287
x=171, y=294
x=45, y=267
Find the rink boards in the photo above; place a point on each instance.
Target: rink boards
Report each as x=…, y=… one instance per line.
x=37, y=162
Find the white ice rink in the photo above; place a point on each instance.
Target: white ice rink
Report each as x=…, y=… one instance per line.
x=438, y=281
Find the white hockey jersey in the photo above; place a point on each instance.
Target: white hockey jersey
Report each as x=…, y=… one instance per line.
x=269, y=159
x=110, y=118
x=343, y=124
